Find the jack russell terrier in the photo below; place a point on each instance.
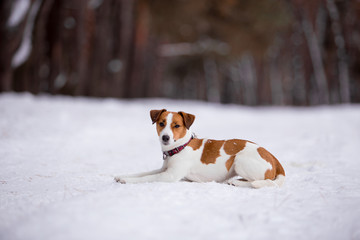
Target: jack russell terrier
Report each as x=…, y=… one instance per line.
x=204, y=160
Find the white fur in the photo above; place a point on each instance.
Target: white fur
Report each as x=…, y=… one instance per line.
x=249, y=164
x=167, y=131
x=200, y=172
x=187, y=164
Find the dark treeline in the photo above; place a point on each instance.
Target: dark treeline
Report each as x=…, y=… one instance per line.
x=262, y=52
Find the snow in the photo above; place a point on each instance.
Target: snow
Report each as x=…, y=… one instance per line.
x=58, y=156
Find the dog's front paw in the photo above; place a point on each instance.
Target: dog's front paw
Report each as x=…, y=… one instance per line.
x=120, y=180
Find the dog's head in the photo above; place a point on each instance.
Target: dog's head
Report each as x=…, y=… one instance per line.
x=172, y=127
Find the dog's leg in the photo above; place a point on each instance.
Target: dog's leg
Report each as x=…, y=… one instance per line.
x=277, y=182
x=257, y=183
x=169, y=175
x=136, y=175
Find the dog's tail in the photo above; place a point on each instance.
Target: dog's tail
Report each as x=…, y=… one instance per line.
x=277, y=182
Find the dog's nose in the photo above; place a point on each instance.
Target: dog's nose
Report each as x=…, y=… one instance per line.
x=165, y=138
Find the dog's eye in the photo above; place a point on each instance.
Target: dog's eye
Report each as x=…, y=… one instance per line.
x=177, y=126
x=161, y=124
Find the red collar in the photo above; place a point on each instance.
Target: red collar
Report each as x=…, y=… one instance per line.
x=176, y=150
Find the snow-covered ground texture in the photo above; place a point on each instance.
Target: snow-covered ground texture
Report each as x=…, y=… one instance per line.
x=58, y=156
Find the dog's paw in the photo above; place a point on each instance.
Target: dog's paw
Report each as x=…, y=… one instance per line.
x=119, y=180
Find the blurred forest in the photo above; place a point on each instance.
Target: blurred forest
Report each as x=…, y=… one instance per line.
x=263, y=52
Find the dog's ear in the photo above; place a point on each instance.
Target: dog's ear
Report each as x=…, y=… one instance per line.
x=155, y=114
x=188, y=119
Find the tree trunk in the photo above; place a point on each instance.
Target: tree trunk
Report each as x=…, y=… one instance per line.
x=343, y=67
x=317, y=62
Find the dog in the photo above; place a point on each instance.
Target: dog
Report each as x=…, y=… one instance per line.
x=203, y=160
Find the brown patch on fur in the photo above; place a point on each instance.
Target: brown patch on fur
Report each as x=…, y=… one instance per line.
x=180, y=131
x=161, y=119
x=195, y=143
x=233, y=146
x=276, y=169
x=187, y=118
x=230, y=162
x=155, y=115
x=211, y=151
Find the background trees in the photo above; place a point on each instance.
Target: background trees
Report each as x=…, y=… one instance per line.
x=280, y=52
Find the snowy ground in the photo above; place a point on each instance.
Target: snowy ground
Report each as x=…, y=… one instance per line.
x=58, y=156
